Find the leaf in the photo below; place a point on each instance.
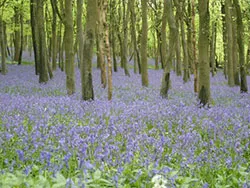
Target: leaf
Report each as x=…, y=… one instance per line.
x=173, y=173
x=59, y=178
x=97, y=174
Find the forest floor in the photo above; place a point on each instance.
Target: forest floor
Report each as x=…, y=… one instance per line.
x=136, y=140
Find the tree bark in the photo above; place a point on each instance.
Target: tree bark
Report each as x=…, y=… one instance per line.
x=69, y=48
x=204, y=70
x=43, y=74
x=3, y=47
x=54, y=35
x=240, y=31
x=86, y=67
x=34, y=29
x=229, y=27
x=100, y=39
x=168, y=13
x=144, y=39
x=107, y=48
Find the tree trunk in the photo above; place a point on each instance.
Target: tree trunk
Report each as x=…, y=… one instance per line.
x=186, y=75
x=34, y=29
x=3, y=47
x=240, y=34
x=235, y=50
x=54, y=35
x=195, y=61
x=133, y=34
x=17, y=34
x=69, y=48
x=168, y=13
x=224, y=31
x=144, y=39
x=204, y=70
x=86, y=67
x=213, y=48
x=229, y=27
x=43, y=74
x=100, y=39
x=22, y=38
x=125, y=37
x=107, y=46
x=178, y=44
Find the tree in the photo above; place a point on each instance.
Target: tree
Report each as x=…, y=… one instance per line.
x=69, y=48
x=54, y=35
x=203, y=46
x=107, y=46
x=124, y=55
x=3, y=46
x=100, y=43
x=229, y=29
x=144, y=39
x=43, y=68
x=168, y=13
x=240, y=31
x=86, y=67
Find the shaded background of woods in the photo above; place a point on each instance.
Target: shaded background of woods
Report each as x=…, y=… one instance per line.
x=185, y=36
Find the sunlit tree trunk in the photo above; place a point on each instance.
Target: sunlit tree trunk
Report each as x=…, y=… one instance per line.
x=229, y=27
x=3, y=47
x=34, y=29
x=235, y=49
x=43, y=68
x=21, y=37
x=107, y=48
x=168, y=13
x=204, y=70
x=124, y=57
x=224, y=32
x=178, y=43
x=195, y=61
x=54, y=36
x=100, y=39
x=144, y=39
x=69, y=48
x=213, y=48
x=86, y=67
x=17, y=34
x=240, y=39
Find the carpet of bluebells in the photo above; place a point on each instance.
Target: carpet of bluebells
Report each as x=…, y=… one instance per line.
x=138, y=139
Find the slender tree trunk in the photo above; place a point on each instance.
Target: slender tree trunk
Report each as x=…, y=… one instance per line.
x=186, y=75
x=178, y=44
x=69, y=48
x=100, y=39
x=204, y=70
x=21, y=39
x=54, y=35
x=213, y=48
x=235, y=50
x=107, y=46
x=17, y=34
x=43, y=74
x=229, y=27
x=240, y=32
x=196, y=62
x=34, y=29
x=133, y=34
x=224, y=31
x=3, y=47
x=125, y=37
x=168, y=13
x=144, y=39
x=86, y=67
